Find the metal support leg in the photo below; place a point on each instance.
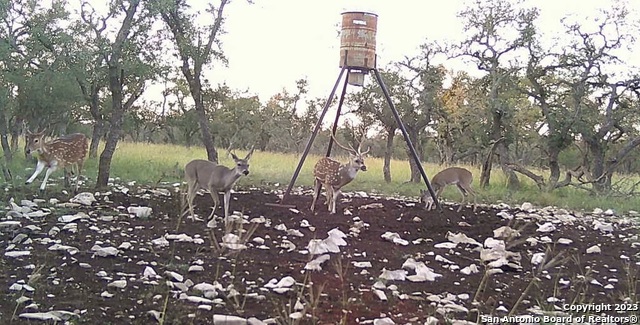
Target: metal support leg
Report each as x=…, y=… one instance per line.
x=412, y=149
x=338, y=111
x=313, y=136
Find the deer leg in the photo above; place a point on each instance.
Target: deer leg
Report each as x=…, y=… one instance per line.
x=79, y=166
x=227, y=198
x=471, y=192
x=216, y=200
x=334, y=199
x=191, y=194
x=464, y=193
x=39, y=168
x=66, y=173
x=429, y=203
x=438, y=196
x=316, y=193
x=425, y=197
x=46, y=176
x=329, y=197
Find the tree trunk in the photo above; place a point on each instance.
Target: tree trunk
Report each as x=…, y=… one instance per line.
x=263, y=140
x=115, y=130
x=487, y=165
x=207, y=137
x=16, y=131
x=513, y=183
x=597, y=168
x=169, y=135
x=99, y=124
x=116, y=86
x=96, y=135
x=388, y=152
x=203, y=120
x=6, y=149
x=618, y=160
x=104, y=166
x=554, y=168
x=499, y=146
x=416, y=177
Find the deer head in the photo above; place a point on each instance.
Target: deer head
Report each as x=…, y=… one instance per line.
x=333, y=175
x=357, y=156
x=215, y=178
x=35, y=141
x=242, y=165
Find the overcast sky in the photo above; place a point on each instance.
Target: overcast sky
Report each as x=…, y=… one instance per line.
x=272, y=43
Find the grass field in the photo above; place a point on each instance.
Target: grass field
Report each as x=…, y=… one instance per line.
x=155, y=163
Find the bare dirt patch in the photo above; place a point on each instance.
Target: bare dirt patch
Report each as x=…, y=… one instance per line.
x=350, y=285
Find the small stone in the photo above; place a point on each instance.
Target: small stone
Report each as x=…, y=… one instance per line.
x=106, y=294
x=120, y=284
x=595, y=249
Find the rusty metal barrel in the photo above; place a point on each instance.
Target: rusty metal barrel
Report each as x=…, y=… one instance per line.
x=358, y=40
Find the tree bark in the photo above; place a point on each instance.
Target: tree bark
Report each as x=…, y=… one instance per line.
x=113, y=136
x=513, y=183
x=96, y=136
x=539, y=180
x=6, y=149
x=116, y=86
x=416, y=177
x=92, y=96
x=597, y=166
x=203, y=120
x=16, y=131
x=554, y=168
x=388, y=152
x=193, y=59
x=487, y=165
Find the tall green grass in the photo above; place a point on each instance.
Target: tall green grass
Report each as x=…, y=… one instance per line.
x=155, y=163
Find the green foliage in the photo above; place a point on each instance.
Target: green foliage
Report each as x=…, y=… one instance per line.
x=153, y=164
x=557, y=105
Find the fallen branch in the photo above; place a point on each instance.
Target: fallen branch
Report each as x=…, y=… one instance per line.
x=578, y=172
x=539, y=180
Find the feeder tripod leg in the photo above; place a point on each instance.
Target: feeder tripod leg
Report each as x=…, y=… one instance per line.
x=312, y=137
x=317, y=190
x=412, y=149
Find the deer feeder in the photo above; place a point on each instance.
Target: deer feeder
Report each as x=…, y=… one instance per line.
x=357, y=58
x=358, y=44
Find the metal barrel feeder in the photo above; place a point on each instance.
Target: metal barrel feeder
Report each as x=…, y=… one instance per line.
x=357, y=59
x=358, y=45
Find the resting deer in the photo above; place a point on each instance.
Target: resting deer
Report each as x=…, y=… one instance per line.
x=461, y=177
x=204, y=174
x=68, y=150
x=333, y=175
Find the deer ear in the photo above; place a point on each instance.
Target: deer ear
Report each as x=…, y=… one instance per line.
x=233, y=155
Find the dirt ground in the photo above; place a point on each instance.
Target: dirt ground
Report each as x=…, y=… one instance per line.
x=350, y=287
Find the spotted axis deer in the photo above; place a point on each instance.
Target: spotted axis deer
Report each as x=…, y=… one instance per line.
x=458, y=176
x=204, y=174
x=68, y=150
x=333, y=175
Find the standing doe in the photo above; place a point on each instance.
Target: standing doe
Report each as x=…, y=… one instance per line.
x=68, y=150
x=333, y=175
x=461, y=177
x=204, y=174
